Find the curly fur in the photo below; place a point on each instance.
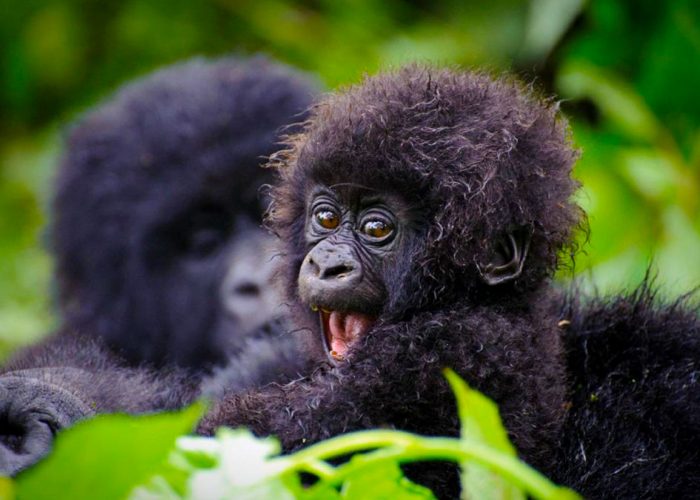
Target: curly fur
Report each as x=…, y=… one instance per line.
x=633, y=425
x=134, y=171
x=477, y=157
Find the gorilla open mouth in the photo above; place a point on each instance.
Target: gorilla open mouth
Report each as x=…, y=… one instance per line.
x=341, y=329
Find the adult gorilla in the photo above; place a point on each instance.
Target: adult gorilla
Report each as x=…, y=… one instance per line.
x=160, y=257
x=157, y=210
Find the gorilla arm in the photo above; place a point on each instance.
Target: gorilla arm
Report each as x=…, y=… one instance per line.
x=70, y=377
x=275, y=355
x=48, y=387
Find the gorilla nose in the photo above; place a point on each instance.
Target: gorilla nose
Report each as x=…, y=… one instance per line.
x=331, y=264
x=241, y=293
x=329, y=274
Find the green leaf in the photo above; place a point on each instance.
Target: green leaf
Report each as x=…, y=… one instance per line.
x=481, y=423
x=321, y=491
x=380, y=481
x=479, y=416
x=110, y=454
x=652, y=173
x=618, y=102
x=547, y=21
x=676, y=33
x=234, y=464
x=679, y=252
x=6, y=488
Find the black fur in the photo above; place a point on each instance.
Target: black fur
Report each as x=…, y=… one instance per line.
x=61, y=360
x=272, y=354
x=157, y=189
x=633, y=422
x=68, y=378
x=159, y=252
x=477, y=157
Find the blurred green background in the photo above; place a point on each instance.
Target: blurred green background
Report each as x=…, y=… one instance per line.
x=627, y=73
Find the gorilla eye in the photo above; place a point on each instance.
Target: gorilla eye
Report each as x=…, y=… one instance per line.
x=328, y=219
x=204, y=241
x=377, y=228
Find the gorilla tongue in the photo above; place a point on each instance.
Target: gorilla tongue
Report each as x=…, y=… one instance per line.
x=341, y=329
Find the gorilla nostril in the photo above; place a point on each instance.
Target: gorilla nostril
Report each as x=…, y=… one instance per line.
x=340, y=272
x=247, y=289
x=315, y=268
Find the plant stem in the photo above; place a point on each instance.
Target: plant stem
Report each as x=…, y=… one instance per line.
x=404, y=447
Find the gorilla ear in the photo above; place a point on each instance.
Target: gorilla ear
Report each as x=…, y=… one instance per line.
x=508, y=257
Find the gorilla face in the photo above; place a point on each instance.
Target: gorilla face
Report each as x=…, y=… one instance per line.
x=353, y=236
x=360, y=242
x=157, y=210
x=204, y=281
x=247, y=297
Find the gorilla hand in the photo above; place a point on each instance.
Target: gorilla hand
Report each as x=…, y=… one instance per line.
x=32, y=409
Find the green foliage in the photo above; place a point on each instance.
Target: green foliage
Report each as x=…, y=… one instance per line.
x=641, y=192
x=120, y=456
x=105, y=457
x=480, y=422
x=626, y=71
x=7, y=491
x=630, y=62
x=24, y=310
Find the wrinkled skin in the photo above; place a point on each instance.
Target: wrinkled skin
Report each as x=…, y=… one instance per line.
x=355, y=236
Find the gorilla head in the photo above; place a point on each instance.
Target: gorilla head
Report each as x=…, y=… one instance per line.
x=422, y=190
x=157, y=208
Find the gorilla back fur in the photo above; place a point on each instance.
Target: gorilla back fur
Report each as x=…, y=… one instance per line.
x=474, y=157
x=134, y=172
x=633, y=425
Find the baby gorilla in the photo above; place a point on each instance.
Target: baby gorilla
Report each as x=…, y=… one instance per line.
x=422, y=215
x=157, y=210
